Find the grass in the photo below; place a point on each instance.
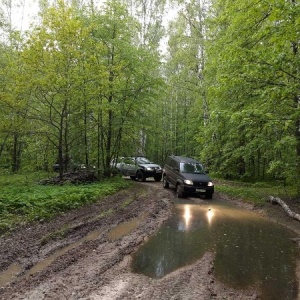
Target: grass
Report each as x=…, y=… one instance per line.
x=106, y=213
x=23, y=200
x=59, y=234
x=255, y=192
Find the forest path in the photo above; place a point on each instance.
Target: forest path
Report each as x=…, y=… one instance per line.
x=85, y=254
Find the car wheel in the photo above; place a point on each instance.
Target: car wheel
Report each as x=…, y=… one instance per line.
x=165, y=183
x=157, y=177
x=140, y=176
x=179, y=191
x=133, y=177
x=208, y=195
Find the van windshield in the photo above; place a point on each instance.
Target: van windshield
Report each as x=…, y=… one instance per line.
x=194, y=168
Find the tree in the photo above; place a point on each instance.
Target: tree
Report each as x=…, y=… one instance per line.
x=14, y=130
x=51, y=58
x=88, y=81
x=251, y=73
x=186, y=104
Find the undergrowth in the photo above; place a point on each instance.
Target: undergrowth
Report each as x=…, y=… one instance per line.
x=23, y=200
x=256, y=193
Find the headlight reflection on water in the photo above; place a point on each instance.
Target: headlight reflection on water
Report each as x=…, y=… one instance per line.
x=187, y=215
x=210, y=215
x=185, y=224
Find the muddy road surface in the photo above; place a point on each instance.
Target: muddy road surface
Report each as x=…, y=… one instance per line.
x=87, y=254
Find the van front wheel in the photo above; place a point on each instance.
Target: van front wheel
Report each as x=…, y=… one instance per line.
x=140, y=176
x=165, y=183
x=179, y=191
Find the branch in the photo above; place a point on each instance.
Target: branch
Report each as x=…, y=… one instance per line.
x=286, y=208
x=262, y=62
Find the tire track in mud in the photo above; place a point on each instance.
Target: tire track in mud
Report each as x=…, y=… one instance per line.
x=100, y=268
x=91, y=259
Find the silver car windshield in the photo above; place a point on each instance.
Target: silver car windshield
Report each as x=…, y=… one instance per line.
x=194, y=168
x=143, y=160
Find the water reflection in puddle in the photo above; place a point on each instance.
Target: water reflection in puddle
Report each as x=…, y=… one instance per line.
x=125, y=228
x=250, y=251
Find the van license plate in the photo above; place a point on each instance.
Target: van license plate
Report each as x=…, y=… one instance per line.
x=200, y=191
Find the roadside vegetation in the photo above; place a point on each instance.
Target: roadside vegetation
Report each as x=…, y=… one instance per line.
x=256, y=193
x=23, y=200
x=86, y=84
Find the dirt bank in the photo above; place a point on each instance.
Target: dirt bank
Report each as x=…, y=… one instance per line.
x=83, y=255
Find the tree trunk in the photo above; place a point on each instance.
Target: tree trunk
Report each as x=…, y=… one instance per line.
x=66, y=144
x=16, y=154
x=3, y=144
x=86, y=147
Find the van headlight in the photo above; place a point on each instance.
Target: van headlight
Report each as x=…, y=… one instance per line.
x=189, y=182
x=210, y=184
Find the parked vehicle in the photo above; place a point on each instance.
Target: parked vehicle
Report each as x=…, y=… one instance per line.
x=115, y=163
x=76, y=167
x=139, y=168
x=188, y=177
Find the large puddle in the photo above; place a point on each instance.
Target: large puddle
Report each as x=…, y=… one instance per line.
x=250, y=251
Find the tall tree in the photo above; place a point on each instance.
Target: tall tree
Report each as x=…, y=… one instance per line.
x=51, y=56
x=130, y=82
x=89, y=81
x=186, y=105
x=252, y=73
x=13, y=129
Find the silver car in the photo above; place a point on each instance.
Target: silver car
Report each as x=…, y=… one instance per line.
x=139, y=168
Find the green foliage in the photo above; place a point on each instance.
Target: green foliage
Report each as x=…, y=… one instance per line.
x=252, y=88
x=185, y=102
x=77, y=87
x=23, y=200
x=87, y=85
x=256, y=193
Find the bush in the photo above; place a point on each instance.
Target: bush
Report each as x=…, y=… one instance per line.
x=23, y=200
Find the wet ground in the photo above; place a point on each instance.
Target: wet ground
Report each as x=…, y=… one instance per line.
x=158, y=247
x=246, y=247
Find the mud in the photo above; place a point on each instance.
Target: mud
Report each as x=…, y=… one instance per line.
x=83, y=254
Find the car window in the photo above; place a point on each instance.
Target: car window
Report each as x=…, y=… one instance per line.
x=193, y=168
x=143, y=160
x=128, y=160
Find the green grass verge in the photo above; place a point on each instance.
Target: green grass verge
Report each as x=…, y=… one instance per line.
x=256, y=193
x=23, y=200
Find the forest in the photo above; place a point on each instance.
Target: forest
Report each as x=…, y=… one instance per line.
x=90, y=81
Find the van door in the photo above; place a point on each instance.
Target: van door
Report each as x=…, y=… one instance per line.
x=173, y=172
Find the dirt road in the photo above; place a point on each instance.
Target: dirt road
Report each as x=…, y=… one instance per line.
x=83, y=254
